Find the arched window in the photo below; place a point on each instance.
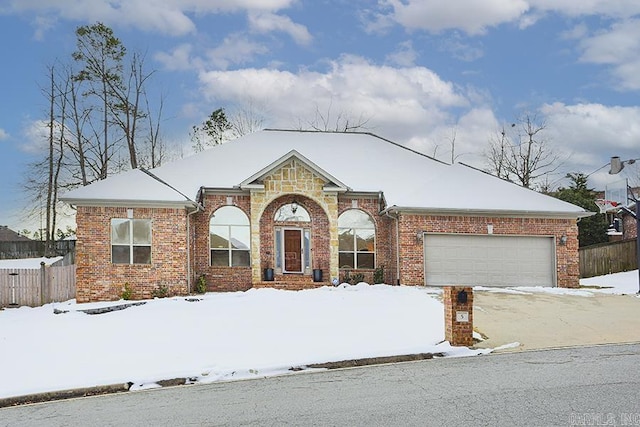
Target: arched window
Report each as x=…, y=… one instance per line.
x=230, y=238
x=292, y=212
x=357, y=236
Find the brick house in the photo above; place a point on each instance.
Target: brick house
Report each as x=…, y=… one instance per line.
x=298, y=209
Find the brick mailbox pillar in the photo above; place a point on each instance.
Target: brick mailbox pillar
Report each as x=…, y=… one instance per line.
x=458, y=315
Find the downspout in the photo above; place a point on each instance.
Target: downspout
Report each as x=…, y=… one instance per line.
x=386, y=213
x=199, y=208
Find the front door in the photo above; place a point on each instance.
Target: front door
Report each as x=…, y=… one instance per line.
x=293, y=251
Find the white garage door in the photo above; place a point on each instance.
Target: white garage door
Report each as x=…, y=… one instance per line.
x=489, y=260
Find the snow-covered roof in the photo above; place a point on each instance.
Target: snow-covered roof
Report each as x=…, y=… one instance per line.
x=360, y=161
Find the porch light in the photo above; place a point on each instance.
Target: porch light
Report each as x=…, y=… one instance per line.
x=563, y=240
x=419, y=236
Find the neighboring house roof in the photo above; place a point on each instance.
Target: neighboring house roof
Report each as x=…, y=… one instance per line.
x=8, y=235
x=360, y=162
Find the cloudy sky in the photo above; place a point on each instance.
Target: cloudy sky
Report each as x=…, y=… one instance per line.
x=419, y=72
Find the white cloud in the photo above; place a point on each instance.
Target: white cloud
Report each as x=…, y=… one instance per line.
x=405, y=56
x=617, y=47
x=573, y=8
x=475, y=17
x=461, y=50
x=179, y=58
x=577, y=32
x=164, y=16
x=589, y=134
x=266, y=22
x=35, y=137
x=234, y=49
x=470, y=16
x=410, y=105
x=3, y=134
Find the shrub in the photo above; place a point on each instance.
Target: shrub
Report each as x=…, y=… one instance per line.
x=353, y=279
x=201, y=284
x=378, y=275
x=160, y=292
x=127, y=292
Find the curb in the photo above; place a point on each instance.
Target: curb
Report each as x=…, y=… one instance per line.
x=124, y=387
x=64, y=394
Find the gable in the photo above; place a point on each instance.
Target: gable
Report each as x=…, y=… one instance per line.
x=293, y=166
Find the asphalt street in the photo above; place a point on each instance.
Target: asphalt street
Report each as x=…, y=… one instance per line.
x=597, y=385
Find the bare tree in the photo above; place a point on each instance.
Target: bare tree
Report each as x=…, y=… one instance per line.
x=127, y=111
x=527, y=159
x=327, y=121
x=496, y=154
x=156, y=147
x=44, y=174
x=246, y=120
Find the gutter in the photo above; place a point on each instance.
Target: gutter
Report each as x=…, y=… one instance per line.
x=488, y=212
x=199, y=208
x=387, y=214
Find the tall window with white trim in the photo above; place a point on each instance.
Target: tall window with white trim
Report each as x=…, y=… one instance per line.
x=357, y=239
x=230, y=238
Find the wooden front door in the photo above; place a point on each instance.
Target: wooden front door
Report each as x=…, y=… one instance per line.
x=293, y=251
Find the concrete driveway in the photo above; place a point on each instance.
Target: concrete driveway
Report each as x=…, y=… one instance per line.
x=542, y=320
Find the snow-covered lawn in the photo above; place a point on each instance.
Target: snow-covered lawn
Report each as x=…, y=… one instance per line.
x=618, y=283
x=219, y=336
x=223, y=336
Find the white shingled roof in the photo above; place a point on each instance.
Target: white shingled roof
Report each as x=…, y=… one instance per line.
x=363, y=162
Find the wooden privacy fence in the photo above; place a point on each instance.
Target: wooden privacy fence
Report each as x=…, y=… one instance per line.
x=34, y=249
x=37, y=286
x=606, y=258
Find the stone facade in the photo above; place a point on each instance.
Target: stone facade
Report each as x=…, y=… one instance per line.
x=294, y=179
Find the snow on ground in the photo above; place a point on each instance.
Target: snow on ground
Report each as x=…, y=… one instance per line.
x=225, y=336
x=217, y=336
x=625, y=283
x=27, y=262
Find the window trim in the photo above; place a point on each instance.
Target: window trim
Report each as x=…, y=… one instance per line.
x=131, y=245
x=355, y=250
x=230, y=250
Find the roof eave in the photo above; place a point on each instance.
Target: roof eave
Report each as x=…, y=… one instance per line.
x=131, y=203
x=488, y=212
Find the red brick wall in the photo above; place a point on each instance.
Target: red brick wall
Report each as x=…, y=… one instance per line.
x=412, y=253
x=99, y=280
x=629, y=226
x=458, y=333
x=217, y=278
x=319, y=233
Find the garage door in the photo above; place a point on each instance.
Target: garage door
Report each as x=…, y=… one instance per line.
x=489, y=260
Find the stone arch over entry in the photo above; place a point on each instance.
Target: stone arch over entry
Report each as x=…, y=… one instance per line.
x=290, y=179
x=320, y=248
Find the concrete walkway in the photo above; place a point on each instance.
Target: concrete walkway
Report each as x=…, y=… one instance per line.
x=543, y=320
